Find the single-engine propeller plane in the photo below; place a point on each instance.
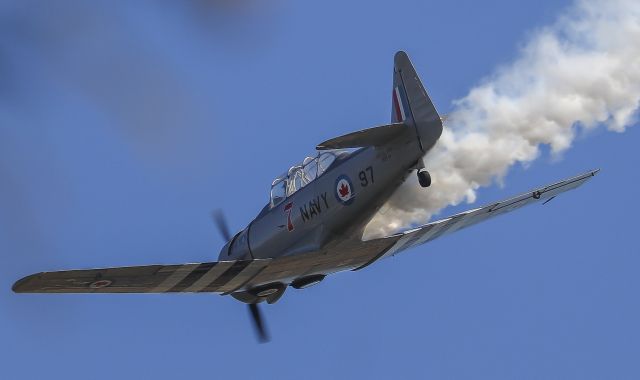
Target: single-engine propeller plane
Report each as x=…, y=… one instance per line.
x=313, y=224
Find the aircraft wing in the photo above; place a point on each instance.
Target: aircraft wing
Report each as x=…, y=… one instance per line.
x=214, y=277
x=223, y=277
x=431, y=231
x=226, y=277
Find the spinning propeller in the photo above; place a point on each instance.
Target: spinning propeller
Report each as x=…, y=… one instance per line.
x=256, y=316
x=263, y=336
x=221, y=223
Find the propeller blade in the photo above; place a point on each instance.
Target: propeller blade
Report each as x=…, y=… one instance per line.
x=263, y=336
x=221, y=223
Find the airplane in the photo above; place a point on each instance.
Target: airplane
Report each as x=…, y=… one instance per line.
x=313, y=224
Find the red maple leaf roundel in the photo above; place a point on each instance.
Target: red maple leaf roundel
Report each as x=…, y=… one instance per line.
x=344, y=190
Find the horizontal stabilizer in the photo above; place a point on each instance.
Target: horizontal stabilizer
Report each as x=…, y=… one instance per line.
x=375, y=136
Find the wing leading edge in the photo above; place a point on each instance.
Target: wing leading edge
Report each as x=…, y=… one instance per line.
x=431, y=231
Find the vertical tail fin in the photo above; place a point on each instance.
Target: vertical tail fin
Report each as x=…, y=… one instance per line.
x=411, y=104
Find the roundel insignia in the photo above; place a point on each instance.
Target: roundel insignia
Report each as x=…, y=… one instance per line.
x=344, y=190
x=100, y=284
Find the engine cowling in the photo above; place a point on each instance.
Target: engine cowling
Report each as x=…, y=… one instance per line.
x=237, y=248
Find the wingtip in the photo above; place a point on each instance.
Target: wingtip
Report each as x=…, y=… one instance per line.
x=20, y=286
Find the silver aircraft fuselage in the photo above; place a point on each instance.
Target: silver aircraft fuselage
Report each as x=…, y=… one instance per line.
x=316, y=215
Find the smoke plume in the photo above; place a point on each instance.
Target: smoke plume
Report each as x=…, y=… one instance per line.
x=581, y=73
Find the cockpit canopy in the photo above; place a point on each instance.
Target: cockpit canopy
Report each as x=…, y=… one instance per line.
x=299, y=176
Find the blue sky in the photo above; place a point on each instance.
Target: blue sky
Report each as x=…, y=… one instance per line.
x=122, y=127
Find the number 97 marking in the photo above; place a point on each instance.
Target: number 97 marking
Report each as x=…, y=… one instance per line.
x=366, y=176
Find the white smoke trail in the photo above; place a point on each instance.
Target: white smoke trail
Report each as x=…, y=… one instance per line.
x=580, y=73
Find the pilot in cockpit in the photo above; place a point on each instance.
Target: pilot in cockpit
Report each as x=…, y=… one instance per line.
x=299, y=176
